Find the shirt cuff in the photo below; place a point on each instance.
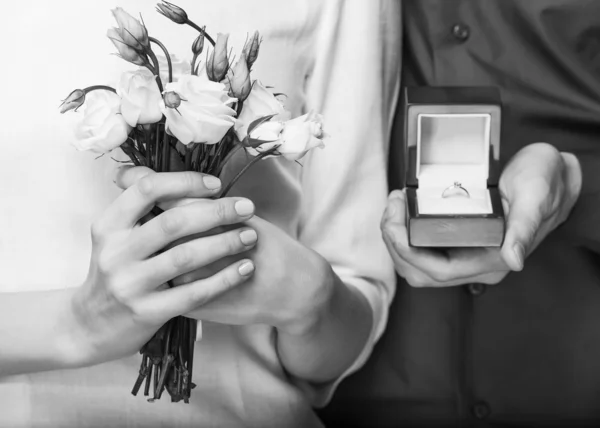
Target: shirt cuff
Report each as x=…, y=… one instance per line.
x=320, y=394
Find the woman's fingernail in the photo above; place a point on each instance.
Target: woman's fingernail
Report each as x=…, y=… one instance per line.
x=248, y=237
x=244, y=207
x=519, y=255
x=246, y=268
x=211, y=182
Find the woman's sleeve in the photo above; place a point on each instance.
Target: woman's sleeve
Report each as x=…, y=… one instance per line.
x=354, y=83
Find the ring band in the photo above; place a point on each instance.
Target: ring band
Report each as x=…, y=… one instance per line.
x=462, y=191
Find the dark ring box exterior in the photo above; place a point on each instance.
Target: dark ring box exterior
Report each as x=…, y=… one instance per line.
x=456, y=230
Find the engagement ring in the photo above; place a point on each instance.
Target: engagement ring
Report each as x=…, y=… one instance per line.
x=458, y=190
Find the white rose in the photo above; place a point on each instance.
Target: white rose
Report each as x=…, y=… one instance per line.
x=204, y=114
x=293, y=138
x=102, y=127
x=140, y=97
x=260, y=103
x=301, y=135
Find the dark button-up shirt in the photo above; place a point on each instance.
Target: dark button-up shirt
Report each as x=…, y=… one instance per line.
x=525, y=351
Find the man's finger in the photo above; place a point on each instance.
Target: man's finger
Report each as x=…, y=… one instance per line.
x=442, y=267
x=525, y=216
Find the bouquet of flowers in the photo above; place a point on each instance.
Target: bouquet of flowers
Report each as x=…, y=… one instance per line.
x=194, y=121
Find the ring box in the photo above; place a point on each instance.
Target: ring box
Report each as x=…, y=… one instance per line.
x=452, y=135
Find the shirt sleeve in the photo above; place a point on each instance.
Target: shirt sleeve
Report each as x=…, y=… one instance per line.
x=354, y=83
x=583, y=224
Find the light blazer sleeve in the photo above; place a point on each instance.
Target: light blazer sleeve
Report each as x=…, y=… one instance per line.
x=354, y=83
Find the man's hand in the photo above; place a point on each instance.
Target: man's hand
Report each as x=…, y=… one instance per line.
x=539, y=187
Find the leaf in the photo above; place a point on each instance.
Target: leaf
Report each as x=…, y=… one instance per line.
x=255, y=142
x=259, y=122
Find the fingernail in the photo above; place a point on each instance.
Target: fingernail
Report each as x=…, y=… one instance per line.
x=211, y=182
x=246, y=268
x=244, y=207
x=519, y=254
x=248, y=237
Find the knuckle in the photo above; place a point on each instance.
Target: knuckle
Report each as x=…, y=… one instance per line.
x=98, y=230
x=171, y=222
x=119, y=289
x=493, y=278
x=440, y=276
x=232, y=242
x=146, y=186
x=181, y=256
x=188, y=179
x=106, y=263
x=228, y=279
x=221, y=210
x=416, y=280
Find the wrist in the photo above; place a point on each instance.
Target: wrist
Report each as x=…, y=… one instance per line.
x=71, y=342
x=322, y=285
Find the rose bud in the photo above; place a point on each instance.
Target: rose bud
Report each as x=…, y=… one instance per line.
x=218, y=63
x=198, y=45
x=264, y=137
x=131, y=31
x=174, y=13
x=73, y=101
x=126, y=52
x=239, y=79
x=300, y=135
x=251, y=49
x=172, y=99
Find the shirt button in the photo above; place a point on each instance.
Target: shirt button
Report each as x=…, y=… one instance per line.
x=461, y=32
x=476, y=289
x=481, y=410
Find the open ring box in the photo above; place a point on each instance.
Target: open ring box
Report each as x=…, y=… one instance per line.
x=452, y=135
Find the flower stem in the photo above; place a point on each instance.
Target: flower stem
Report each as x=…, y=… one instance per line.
x=166, y=52
x=166, y=154
x=229, y=155
x=246, y=168
x=99, y=87
x=156, y=70
x=188, y=156
x=195, y=26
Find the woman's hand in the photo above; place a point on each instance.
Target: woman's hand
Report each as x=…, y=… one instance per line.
x=125, y=299
x=289, y=290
